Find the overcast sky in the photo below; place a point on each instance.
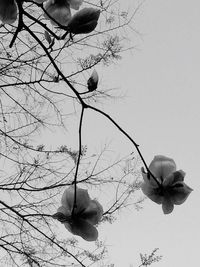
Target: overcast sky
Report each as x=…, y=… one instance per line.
x=161, y=79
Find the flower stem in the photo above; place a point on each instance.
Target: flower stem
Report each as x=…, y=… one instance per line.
x=78, y=159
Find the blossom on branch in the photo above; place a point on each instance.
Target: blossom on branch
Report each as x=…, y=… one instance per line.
x=85, y=215
x=170, y=189
x=84, y=21
x=59, y=10
x=93, y=81
x=8, y=11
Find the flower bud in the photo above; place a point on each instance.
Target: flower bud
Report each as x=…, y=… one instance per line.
x=93, y=81
x=59, y=10
x=47, y=37
x=84, y=21
x=8, y=11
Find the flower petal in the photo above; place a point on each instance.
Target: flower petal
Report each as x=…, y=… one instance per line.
x=93, y=213
x=82, y=199
x=68, y=226
x=64, y=211
x=59, y=11
x=167, y=205
x=152, y=193
x=177, y=176
x=180, y=192
x=148, y=179
x=84, y=21
x=82, y=228
x=60, y=217
x=8, y=11
x=162, y=167
x=75, y=4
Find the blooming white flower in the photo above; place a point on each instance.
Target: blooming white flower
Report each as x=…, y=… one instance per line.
x=170, y=189
x=86, y=214
x=75, y=4
x=93, y=81
x=84, y=21
x=8, y=11
x=59, y=10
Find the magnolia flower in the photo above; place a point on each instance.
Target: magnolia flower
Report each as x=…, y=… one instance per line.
x=75, y=4
x=8, y=11
x=170, y=189
x=86, y=214
x=84, y=21
x=59, y=10
x=93, y=81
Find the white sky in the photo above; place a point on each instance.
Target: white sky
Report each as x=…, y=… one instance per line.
x=162, y=113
